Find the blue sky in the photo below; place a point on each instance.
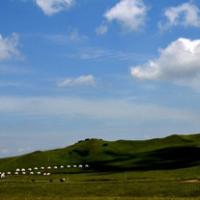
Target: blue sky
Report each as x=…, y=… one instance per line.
x=111, y=69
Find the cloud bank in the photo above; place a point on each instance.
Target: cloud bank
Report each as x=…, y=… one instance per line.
x=96, y=109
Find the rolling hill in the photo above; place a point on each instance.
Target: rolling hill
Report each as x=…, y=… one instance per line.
x=172, y=152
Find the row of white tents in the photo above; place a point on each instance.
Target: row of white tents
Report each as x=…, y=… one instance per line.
x=3, y=174
x=52, y=167
x=40, y=170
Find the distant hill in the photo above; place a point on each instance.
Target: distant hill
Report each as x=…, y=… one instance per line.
x=175, y=151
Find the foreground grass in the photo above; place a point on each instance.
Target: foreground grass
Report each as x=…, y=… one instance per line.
x=149, y=185
x=94, y=198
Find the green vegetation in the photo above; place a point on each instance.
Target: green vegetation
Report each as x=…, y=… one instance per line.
x=176, y=151
x=157, y=169
x=157, y=184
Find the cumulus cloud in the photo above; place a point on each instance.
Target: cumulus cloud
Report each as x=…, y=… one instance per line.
x=130, y=14
x=9, y=46
x=178, y=62
x=50, y=7
x=187, y=14
x=84, y=80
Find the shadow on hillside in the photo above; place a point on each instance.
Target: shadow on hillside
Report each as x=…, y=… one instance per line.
x=167, y=158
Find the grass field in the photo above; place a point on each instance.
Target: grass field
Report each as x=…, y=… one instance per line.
x=172, y=152
x=157, y=185
x=118, y=170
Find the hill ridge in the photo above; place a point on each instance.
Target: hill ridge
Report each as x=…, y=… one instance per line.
x=171, y=152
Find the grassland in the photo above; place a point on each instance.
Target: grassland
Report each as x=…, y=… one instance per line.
x=158, y=185
x=158, y=169
x=176, y=151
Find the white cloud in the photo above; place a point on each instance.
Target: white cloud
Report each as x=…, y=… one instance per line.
x=75, y=36
x=99, y=54
x=130, y=14
x=46, y=117
x=92, y=108
x=13, y=70
x=84, y=80
x=4, y=150
x=187, y=14
x=178, y=62
x=101, y=29
x=9, y=46
x=9, y=84
x=62, y=39
x=50, y=7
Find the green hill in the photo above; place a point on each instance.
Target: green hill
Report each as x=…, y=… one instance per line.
x=172, y=152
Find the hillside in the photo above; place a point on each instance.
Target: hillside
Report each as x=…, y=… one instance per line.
x=175, y=151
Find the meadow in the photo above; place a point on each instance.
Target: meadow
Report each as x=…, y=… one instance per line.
x=182, y=184
x=157, y=169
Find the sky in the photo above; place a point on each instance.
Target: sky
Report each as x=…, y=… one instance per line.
x=110, y=69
